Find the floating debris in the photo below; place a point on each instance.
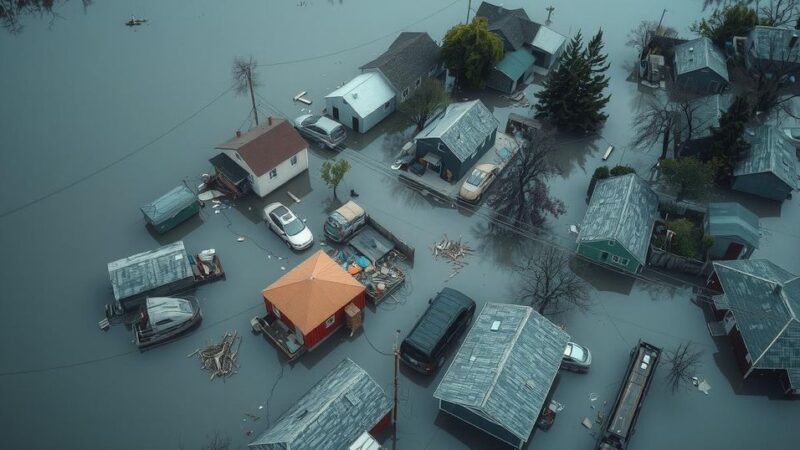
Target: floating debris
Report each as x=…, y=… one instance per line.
x=220, y=359
x=587, y=423
x=454, y=250
x=240, y=239
x=593, y=396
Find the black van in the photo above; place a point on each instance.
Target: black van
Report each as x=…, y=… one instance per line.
x=443, y=322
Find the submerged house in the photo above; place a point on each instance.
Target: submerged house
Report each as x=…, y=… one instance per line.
x=696, y=125
x=510, y=71
x=267, y=156
x=769, y=169
x=618, y=224
x=362, y=102
x=501, y=376
x=452, y=144
x=735, y=230
x=759, y=311
x=336, y=413
x=773, y=51
x=412, y=58
x=700, y=67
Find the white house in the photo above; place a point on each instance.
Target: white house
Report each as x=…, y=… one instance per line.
x=362, y=102
x=271, y=154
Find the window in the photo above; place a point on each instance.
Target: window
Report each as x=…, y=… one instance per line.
x=276, y=311
x=386, y=105
x=294, y=160
x=604, y=256
x=441, y=147
x=273, y=173
x=621, y=261
x=331, y=320
x=610, y=243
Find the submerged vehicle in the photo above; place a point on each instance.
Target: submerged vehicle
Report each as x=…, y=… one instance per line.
x=346, y=221
x=163, y=318
x=577, y=358
x=477, y=183
x=321, y=129
x=288, y=226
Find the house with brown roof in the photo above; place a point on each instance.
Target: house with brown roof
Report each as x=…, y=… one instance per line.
x=263, y=158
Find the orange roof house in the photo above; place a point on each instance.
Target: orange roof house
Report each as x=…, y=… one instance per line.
x=310, y=299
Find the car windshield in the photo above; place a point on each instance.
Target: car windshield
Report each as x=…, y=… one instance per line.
x=476, y=178
x=577, y=352
x=310, y=120
x=293, y=226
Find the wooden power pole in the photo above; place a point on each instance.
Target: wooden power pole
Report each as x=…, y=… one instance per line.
x=396, y=369
x=469, y=8
x=252, y=95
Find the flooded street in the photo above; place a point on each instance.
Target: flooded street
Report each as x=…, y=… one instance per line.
x=99, y=119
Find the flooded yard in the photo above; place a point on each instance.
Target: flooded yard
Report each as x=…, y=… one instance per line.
x=99, y=119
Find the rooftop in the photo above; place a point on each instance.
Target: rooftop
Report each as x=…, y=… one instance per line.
x=169, y=205
x=733, y=219
x=548, y=40
x=513, y=24
x=463, y=127
x=411, y=56
x=515, y=63
x=365, y=93
x=705, y=114
x=770, y=151
x=772, y=43
x=267, y=145
x=144, y=271
x=699, y=54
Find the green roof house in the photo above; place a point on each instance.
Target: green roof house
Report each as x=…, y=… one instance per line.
x=734, y=228
x=759, y=311
x=510, y=71
x=700, y=67
x=618, y=224
x=769, y=170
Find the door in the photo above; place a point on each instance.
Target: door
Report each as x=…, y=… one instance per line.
x=733, y=251
x=355, y=124
x=335, y=112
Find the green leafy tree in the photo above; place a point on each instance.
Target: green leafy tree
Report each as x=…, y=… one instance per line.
x=572, y=98
x=471, y=50
x=734, y=19
x=686, y=240
x=728, y=145
x=621, y=170
x=333, y=172
x=690, y=177
x=427, y=101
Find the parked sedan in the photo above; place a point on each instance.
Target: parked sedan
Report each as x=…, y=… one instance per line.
x=577, y=358
x=288, y=227
x=477, y=182
x=321, y=129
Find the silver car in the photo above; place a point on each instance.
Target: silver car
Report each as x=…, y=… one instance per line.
x=577, y=358
x=321, y=129
x=288, y=227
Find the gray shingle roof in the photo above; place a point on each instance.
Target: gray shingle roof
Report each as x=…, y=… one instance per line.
x=733, y=219
x=514, y=24
x=705, y=114
x=623, y=209
x=411, y=56
x=765, y=301
x=169, y=205
x=700, y=54
x=331, y=415
x=770, y=151
x=505, y=375
x=772, y=44
x=463, y=128
x=148, y=270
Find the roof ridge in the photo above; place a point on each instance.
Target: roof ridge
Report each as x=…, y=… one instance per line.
x=758, y=277
x=502, y=362
x=777, y=336
x=624, y=206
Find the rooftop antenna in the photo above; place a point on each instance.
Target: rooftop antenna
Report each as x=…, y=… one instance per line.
x=550, y=10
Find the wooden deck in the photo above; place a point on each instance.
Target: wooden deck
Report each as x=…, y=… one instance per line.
x=272, y=329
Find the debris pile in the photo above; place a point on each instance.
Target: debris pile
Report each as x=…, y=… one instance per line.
x=379, y=279
x=454, y=250
x=220, y=359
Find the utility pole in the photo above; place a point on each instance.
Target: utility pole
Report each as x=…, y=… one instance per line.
x=550, y=10
x=396, y=369
x=658, y=30
x=252, y=95
x=469, y=8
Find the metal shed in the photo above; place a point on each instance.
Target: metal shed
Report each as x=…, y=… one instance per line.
x=735, y=230
x=502, y=374
x=172, y=208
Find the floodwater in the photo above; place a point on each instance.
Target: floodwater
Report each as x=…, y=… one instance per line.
x=87, y=114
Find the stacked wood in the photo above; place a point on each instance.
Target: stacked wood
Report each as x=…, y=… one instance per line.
x=220, y=359
x=454, y=250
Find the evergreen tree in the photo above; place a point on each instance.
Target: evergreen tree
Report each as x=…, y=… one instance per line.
x=728, y=145
x=572, y=98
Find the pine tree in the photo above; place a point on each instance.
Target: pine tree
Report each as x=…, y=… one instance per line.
x=572, y=98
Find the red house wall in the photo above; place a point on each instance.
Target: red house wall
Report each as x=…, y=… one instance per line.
x=318, y=334
x=382, y=424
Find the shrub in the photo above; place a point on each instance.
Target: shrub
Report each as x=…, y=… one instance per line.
x=621, y=170
x=600, y=173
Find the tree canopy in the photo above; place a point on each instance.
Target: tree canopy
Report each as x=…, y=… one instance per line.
x=428, y=100
x=572, y=99
x=471, y=50
x=333, y=172
x=690, y=177
x=728, y=145
x=734, y=19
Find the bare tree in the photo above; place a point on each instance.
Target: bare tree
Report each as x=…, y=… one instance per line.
x=11, y=11
x=547, y=283
x=773, y=66
x=779, y=13
x=664, y=120
x=640, y=36
x=683, y=363
x=244, y=79
x=522, y=198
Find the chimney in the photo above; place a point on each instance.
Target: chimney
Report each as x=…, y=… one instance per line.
x=238, y=133
x=793, y=40
x=269, y=120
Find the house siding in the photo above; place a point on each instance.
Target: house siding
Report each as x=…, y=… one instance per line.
x=501, y=82
x=346, y=113
x=449, y=160
x=594, y=250
x=398, y=90
x=318, y=334
x=481, y=423
x=263, y=185
x=764, y=185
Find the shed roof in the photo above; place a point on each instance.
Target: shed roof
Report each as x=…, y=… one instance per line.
x=622, y=208
x=771, y=152
x=505, y=375
x=365, y=93
x=267, y=145
x=331, y=415
x=548, y=40
x=772, y=44
x=411, y=56
x=765, y=301
x=313, y=291
x=514, y=24
x=169, y=205
x=706, y=113
x=733, y=219
x=700, y=54
x=463, y=128
x=148, y=270
x=515, y=63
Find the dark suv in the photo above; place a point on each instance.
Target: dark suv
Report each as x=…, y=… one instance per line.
x=443, y=322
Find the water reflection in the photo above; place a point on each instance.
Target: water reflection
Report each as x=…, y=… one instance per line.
x=13, y=11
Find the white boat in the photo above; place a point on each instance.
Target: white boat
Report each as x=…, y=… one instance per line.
x=163, y=318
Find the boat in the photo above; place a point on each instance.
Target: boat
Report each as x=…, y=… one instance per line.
x=163, y=318
x=133, y=21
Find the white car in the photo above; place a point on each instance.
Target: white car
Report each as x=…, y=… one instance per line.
x=288, y=227
x=577, y=358
x=321, y=129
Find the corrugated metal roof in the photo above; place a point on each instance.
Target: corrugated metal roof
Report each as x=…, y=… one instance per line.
x=733, y=219
x=515, y=63
x=463, y=128
x=765, y=301
x=411, y=56
x=700, y=54
x=770, y=151
x=505, y=375
x=365, y=93
x=169, y=205
x=331, y=415
x=705, y=114
x=148, y=270
x=772, y=44
x=548, y=40
x=623, y=209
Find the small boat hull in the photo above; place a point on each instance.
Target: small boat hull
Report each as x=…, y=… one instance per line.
x=146, y=338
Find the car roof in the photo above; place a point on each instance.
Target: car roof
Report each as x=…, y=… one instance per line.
x=442, y=312
x=327, y=124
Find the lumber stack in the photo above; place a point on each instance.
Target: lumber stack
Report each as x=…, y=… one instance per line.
x=454, y=250
x=220, y=359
